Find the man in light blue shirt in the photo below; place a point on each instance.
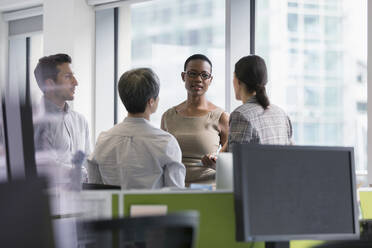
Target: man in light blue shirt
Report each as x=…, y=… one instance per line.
x=134, y=154
x=60, y=132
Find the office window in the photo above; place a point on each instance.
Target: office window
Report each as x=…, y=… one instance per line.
x=291, y=95
x=331, y=28
x=292, y=5
x=362, y=107
x=333, y=61
x=311, y=133
x=332, y=133
x=293, y=60
x=311, y=23
x=332, y=97
x=333, y=5
x=330, y=106
x=311, y=6
x=311, y=96
x=163, y=44
x=295, y=131
x=292, y=22
x=312, y=60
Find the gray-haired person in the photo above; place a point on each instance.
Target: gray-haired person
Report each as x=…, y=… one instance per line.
x=134, y=154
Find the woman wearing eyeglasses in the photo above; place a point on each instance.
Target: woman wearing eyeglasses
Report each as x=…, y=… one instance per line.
x=199, y=126
x=256, y=120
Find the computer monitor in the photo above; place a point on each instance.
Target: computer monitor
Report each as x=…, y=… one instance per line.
x=287, y=193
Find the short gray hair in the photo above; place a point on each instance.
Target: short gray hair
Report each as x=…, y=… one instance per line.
x=136, y=87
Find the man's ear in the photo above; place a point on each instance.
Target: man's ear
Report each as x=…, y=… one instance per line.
x=151, y=102
x=183, y=74
x=48, y=84
x=49, y=81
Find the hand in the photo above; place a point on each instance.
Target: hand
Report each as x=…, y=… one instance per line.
x=209, y=160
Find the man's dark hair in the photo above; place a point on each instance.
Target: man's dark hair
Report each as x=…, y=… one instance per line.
x=136, y=87
x=47, y=68
x=196, y=57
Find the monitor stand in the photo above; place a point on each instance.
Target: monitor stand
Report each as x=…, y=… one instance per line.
x=281, y=244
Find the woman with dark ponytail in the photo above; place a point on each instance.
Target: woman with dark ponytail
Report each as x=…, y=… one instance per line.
x=256, y=121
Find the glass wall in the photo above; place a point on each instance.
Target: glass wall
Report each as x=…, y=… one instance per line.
x=317, y=70
x=164, y=33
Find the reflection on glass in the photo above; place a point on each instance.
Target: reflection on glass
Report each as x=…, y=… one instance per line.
x=61, y=134
x=166, y=32
x=325, y=62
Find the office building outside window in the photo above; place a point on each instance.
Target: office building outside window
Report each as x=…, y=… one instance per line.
x=164, y=33
x=317, y=69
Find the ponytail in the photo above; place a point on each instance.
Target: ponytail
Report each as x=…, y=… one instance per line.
x=261, y=96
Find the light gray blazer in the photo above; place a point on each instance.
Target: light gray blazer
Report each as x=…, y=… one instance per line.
x=251, y=123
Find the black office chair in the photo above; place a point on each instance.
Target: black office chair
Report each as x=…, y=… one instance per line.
x=365, y=240
x=175, y=230
x=24, y=215
x=347, y=244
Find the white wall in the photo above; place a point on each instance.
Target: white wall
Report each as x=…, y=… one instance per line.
x=369, y=73
x=69, y=28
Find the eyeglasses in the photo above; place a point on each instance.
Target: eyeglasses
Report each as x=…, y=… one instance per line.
x=204, y=75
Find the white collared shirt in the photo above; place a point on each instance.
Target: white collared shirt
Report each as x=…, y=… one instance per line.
x=136, y=155
x=60, y=134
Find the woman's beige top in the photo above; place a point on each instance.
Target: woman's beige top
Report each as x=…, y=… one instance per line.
x=197, y=136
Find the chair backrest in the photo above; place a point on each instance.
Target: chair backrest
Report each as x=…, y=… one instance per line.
x=175, y=230
x=24, y=214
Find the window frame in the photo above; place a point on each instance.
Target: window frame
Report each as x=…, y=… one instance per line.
x=240, y=39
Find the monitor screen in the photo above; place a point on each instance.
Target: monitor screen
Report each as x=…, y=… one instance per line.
x=294, y=192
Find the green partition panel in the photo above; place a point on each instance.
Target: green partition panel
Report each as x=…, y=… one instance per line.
x=366, y=204
x=115, y=205
x=217, y=218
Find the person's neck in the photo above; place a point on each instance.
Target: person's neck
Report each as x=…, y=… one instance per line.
x=197, y=102
x=246, y=96
x=144, y=115
x=59, y=102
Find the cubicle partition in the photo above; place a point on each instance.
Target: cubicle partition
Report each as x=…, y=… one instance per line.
x=216, y=209
x=365, y=198
x=217, y=217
